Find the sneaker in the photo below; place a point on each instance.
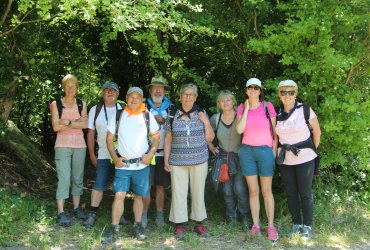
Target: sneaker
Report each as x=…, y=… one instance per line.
x=159, y=221
x=255, y=230
x=63, y=220
x=139, y=232
x=201, y=230
x=296, y=229
x=123, y=221
x=90, y=221
x=180, y=232
x=79, y=213
x=272, y=233
x=111, y=235
x=144, y=220
x=306, y=233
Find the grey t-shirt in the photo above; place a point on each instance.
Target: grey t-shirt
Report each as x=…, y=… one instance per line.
x=223, y=133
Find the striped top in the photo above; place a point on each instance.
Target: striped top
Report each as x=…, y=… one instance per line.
x=189, y=146
x=71, y=138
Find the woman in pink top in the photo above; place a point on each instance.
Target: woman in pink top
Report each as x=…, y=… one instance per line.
x=257, y=155
x=70, y=148
x=296, y=156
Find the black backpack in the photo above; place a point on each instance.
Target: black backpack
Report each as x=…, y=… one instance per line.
x=147, y=123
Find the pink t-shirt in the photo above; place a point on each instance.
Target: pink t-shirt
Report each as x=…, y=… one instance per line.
x=257, y=130
x=71, y=138
x=292, y=131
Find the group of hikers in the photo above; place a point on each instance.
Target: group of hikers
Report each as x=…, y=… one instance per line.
x=157, y=144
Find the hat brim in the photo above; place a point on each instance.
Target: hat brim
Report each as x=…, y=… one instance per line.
x=166, y=87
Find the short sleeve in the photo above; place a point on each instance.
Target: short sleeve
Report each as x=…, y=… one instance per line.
x=91, y=118
x=153, y=124
x=240, y=110
x=271, y=109
x=312, y=114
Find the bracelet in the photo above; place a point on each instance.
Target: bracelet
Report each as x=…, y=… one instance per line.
x=69, y=123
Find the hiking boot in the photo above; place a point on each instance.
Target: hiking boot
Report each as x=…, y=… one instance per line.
x=159, y=221
x=296, y=229
x=180, y=232
x=90, y=221
x=111, y=235
x=79, y=213
x=245, y=222
x=139, y=232
x=201, y=230
x=231, y=222
x=255, y=230
x=123, y=221
x=272, y=233
x=63, y=220
x=306, y=233
x=144, y=220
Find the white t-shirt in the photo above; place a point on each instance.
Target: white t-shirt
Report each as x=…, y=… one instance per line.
x=132, y=136
x=162, y=132
x=292, y=131
x=101, y=126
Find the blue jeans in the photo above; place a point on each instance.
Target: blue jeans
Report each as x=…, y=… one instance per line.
x=104, y=169
x=236, y=196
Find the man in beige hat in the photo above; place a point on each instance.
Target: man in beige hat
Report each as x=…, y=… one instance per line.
x=158, y=104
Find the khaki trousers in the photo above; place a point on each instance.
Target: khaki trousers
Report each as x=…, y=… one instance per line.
x=180, y=177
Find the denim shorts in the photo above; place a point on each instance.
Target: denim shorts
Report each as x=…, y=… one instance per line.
x=104, y=169
x=256, y=160
x=138, y=180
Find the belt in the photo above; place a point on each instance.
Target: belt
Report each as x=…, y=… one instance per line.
x=135, y=160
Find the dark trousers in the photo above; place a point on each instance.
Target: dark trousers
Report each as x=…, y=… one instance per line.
x=297, y=180
x=236, y=196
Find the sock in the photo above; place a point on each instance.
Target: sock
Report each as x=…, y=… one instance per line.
x=93, y=210
x=144, y=215
x=159, y=214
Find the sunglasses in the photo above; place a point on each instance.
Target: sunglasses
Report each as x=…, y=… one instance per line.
x=287, y=92
x=253, y=87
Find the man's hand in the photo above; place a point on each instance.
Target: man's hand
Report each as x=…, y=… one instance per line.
x=167, y=167
x=118, y=163
x=146, y=158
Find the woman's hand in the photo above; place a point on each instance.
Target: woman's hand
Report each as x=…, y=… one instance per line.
x=246, y=105
x=167, y=167
x=203, y=118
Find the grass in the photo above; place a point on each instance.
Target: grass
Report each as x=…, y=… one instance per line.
x=28, y=222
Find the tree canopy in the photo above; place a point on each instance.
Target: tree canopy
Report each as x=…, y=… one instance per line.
x=322, y=45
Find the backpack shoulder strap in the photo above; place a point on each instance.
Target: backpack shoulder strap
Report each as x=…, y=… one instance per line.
x=306, y=112
x=59, y=106
x=80, y=106
x=172, y=113
x=118, y=119
x=97, y=112
x=147, y=124
x=265, y=106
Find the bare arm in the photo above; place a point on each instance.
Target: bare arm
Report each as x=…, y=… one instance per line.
x=167, y=150
x=91, y=146
x=242, y=121
x=81, y=122
x=209, y=134
x=275, y=141
x=316, y=131
x=58, y=124
x=117, y=160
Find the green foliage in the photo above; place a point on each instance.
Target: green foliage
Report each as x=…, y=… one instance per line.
x=321, y=45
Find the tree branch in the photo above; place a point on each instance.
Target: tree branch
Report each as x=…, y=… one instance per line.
x=6, y=12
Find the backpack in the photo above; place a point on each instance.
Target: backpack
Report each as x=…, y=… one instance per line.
x=147, y=123
x=99, y=106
